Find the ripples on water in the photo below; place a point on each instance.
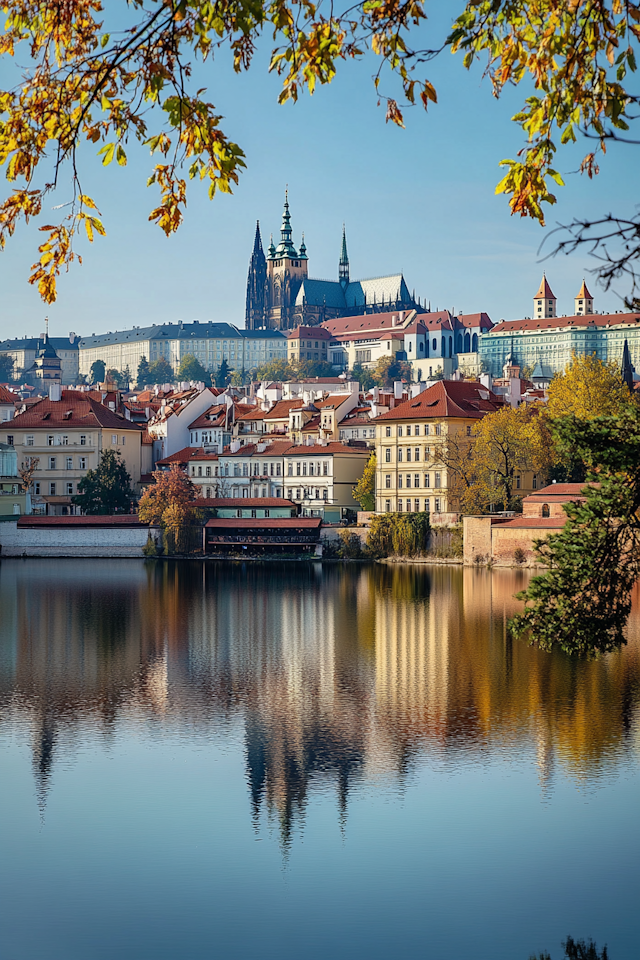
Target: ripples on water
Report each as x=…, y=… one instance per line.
x=375, y=691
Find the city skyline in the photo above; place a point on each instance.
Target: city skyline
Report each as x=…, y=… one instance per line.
x=419, y=200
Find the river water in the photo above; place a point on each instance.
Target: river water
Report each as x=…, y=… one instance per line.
x=200, y=760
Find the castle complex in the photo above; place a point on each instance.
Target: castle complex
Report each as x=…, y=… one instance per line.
x=282, y=296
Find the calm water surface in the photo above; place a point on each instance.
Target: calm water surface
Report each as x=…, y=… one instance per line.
x=283, y=761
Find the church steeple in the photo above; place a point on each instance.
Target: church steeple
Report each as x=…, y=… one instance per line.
x=343, y=268
x=256, y=281
x=286, y=248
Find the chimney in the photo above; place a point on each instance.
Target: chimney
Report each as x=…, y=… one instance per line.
x=235, y=446
x=394, y=319
x=55, y=391
x=401, y=317
x=397, y=390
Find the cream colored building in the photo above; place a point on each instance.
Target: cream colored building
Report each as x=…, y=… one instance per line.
x=68, y=436
x=409, y=474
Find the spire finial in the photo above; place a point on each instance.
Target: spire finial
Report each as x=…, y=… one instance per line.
x=343, y=267
x=46, y=329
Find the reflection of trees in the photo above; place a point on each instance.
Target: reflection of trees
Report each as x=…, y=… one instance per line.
x=334, y=669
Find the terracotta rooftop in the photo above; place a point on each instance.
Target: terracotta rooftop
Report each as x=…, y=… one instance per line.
x=265, y=523
x=181, y=456
x=308, y=333
x=74, y=410
x=368, y=322
x=119, y=520
x=246, y=502
x=540, y=523
x=281, y=409
x=544, y=290
x=535, y=324
x=446, y=398
x=583, y=293
x=6, y=396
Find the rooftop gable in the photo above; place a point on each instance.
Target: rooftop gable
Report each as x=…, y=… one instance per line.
x=447, y=398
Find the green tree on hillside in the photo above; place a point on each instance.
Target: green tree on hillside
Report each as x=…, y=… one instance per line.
x=143, y=376
x=107, y=489
x=161, y=371
x=98, y=371
x=6, y=368
x=365, y=489
x=222, y=375
x=191, y=369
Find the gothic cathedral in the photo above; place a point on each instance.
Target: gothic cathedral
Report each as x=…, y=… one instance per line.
x=281, y=295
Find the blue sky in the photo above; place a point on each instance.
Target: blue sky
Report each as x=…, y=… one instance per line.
x=420, y=200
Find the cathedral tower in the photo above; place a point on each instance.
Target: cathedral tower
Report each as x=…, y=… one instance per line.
x=254, y=316
x=286, y=270
x=544, y=302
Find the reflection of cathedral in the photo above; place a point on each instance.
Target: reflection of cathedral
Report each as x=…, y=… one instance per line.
x=281, y=295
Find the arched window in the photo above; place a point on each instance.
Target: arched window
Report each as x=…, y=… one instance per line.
x=421, y=347
x=459, y=347
x=474, y=346
x=450, y=346
x=435, y=344
x=545, y=509
x=467, y=343
x=444, y=347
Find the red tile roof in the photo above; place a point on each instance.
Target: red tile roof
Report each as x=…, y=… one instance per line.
x=482, y=320
x=446, y=398
x=256, y=413
x=534, y=523
x=6, y=396
x=583, y=292
x=120, y=520
x=281, y=409
x=367, y=322
x=213, y=417
x=557, y=490
x=318, y=450
x=551, y=323
x=74, y=410
x=308, y=333
x=246, y=502
x=544, y=290
x=264, y=523
x=181, y=456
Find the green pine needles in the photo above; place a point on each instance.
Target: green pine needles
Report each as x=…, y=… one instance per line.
x=581, y=604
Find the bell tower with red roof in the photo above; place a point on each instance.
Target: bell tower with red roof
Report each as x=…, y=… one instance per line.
x=544, y=302
x=583, y=303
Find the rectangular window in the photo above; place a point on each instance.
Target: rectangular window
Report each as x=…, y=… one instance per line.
x=399, y=454
x=436, y=505
x=399, y=431
x=387, y=481
x=400, y=481
x=399, y=506
x=468, y=430
x=36, y=488
x=69, y=489
x=409, y=430
x=10, y=439
x=83, y=463
x=416, y=506
x=387, y=506
x=426, y=505
x=325, y=494
x=65, y=440
x=30, y=440
x=517, y=483
x=289, y=469
x=416, y=455
x=123, y=440
x=52, y=489
x=426, y=429
x=50, y=440
x=427, y=480
x=298, y=469
x=278, y=469
x=52, y=463
x=408, y=506
x=408, y=480
x=438, y=429
x=68, y=463
x=289, y=493
x=325, y=468
x=408, y=454
x=83, y=440
x=437, y=482
x=388, y=432
x=535, y=482
x=114, y=439
x=387, y=455
x=416, y=479
x=208, y=471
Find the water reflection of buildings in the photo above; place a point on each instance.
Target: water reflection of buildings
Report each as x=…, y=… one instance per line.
x=336, y=672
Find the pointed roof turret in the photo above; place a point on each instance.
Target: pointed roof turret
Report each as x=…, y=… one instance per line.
x=583, y=292
x=257, y=243
x=303, y=250
x=272, y=250
x=544, y=290
x=343, y=267
x=286, y=248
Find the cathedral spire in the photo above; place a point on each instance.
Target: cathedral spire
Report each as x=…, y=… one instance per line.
x=256, y=280
x=343, y=268
x=286, y=248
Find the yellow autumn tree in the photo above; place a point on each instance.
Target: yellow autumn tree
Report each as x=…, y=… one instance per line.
x=365, y=489
x=169, y=503
x=506, y=442
x=588, y=388
x=113, y=75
